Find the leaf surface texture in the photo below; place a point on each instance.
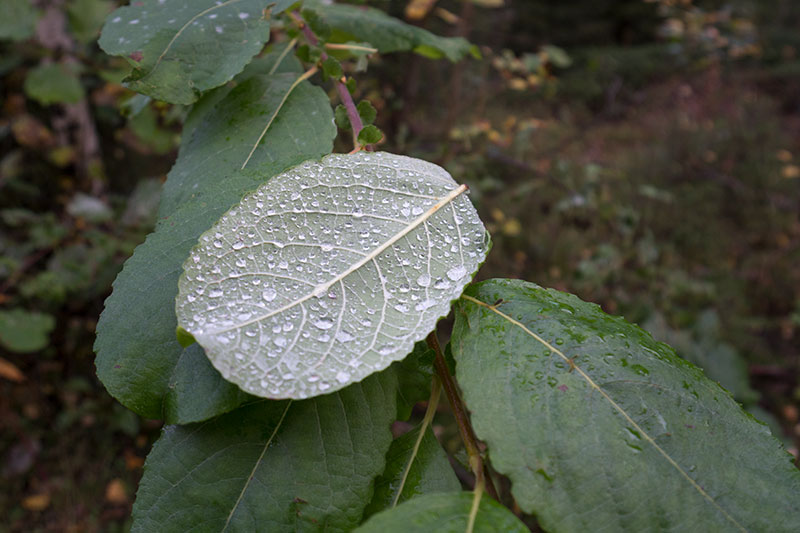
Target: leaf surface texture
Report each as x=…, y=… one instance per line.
x=329, y=272
x=601, y=428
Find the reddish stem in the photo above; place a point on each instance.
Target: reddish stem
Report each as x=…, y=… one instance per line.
x=341, y=88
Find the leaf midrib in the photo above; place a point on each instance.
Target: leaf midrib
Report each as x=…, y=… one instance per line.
x=180, y=32
x=324, y=287
x=615, y=405
x=256, y=465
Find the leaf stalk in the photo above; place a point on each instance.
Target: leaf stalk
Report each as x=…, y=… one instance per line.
x=462, y=419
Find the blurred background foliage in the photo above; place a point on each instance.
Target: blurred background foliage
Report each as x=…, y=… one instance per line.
x=644, y=155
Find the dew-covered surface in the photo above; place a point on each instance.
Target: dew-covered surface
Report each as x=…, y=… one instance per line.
x=180, y=48
x=329, y=272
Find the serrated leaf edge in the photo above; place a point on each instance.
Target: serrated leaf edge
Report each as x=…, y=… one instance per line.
x=615, y=405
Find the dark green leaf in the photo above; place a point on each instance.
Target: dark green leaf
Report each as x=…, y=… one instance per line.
x=332, y=68
x=139, y=359
x=444, y=513
x=703, y=347
x=180, y=49
x=386, y=33
x=429, y=472
x=341, y=118
x=351, y=85
x=24, y=331
x=19, y=19
x=272, y=465
x=86, y=18
x=369, y=135
x=54, y=83
x=318, y=25
x=367, y=112
x=598, y=426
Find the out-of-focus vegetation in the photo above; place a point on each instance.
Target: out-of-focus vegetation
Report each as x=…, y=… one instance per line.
x=641, y=154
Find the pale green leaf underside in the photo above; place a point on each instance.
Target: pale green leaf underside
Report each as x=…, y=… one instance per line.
x=181, y=48
x=139, y=359
x=329, y=272
x=629, y=437
x=444, y=513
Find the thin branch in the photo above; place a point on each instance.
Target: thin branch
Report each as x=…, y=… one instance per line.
x=462, y=419
x=341, y=88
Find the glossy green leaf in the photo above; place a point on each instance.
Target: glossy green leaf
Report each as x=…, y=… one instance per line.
x=329, y=272
x=599, y=427
x=25, y=331
x=387, y=33
x=264, y=117
x=272, y=465
x=54, y=83
x=19, y=19
x=139, y=359
x=180, y=49
x=444, y=513
x=429, y=471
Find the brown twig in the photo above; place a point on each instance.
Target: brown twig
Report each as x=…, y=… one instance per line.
x=462, y=419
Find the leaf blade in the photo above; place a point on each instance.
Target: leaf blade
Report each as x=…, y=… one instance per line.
x=606, y=446
x=181, y=50
x=272, y=465
x=289, y=293
x=444, y=513
x=139, y=359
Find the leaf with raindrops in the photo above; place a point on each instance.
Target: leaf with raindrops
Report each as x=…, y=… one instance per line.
x=180, y=49
x=330, y=272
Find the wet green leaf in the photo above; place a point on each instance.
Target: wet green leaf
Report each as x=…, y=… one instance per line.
x=444, y=513
x=181, y=49
x=429, y=471
x=329, y=272
x=387, y=33
x=139, y=359
x=272, y=465
x=598, y=426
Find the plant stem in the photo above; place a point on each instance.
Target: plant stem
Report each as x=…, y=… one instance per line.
x=341, y=88
x=462, y=419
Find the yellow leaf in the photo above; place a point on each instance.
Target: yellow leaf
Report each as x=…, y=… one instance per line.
x=417, y=9
x=115, y=492
x=790, y=172
x=36, y=502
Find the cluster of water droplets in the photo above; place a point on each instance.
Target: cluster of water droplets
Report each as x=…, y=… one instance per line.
x=329, y=272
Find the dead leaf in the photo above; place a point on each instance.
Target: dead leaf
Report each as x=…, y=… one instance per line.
x=36, y=502
x=9, y=371
x=115, y=492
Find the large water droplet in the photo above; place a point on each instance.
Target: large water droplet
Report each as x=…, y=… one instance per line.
x=324, y=323
x=269, y=294
x=457, y=272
